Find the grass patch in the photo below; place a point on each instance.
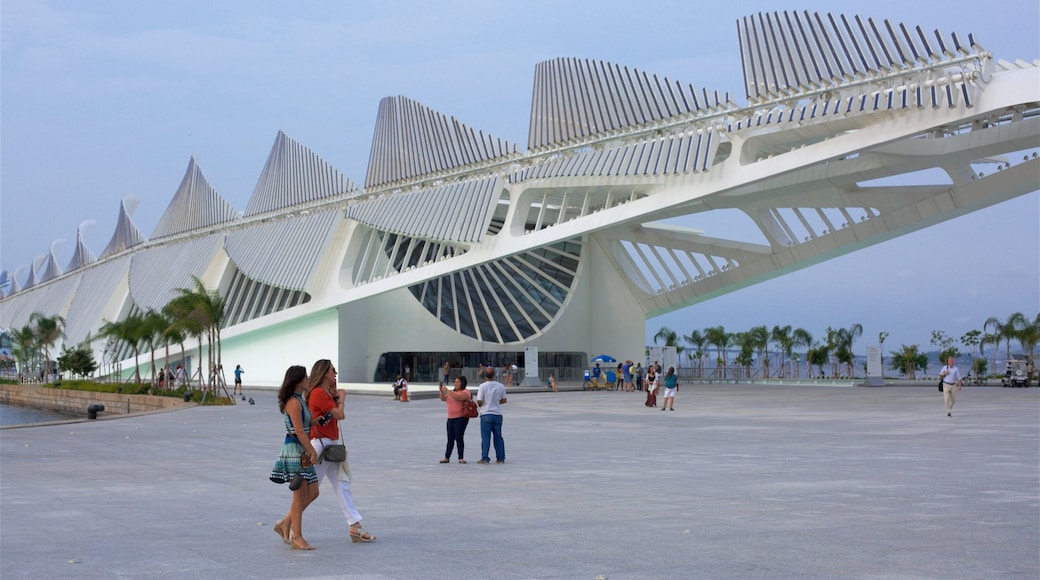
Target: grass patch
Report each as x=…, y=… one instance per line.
x=135, y=389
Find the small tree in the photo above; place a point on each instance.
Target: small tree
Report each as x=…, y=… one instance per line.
x=78, y=361
x=945, y=344
x=908, y=360
x=881, y=352
x=971, y=339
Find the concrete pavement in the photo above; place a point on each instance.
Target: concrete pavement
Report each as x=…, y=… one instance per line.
x=739, y=482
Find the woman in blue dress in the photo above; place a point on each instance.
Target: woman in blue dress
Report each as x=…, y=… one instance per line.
x=297, y=456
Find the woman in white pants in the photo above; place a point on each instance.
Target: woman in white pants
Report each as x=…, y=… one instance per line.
x=326, y=405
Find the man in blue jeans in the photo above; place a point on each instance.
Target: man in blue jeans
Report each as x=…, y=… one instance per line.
x=491, y=395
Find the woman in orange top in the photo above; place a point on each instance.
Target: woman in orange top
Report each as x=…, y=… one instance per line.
x=457, y=419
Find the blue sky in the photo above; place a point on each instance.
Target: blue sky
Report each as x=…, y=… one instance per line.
x=104, y=99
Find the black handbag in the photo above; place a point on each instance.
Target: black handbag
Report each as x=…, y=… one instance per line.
x=334, y=452
x=940, y=385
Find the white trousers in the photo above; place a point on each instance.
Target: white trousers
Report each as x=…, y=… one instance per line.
x=339, y=481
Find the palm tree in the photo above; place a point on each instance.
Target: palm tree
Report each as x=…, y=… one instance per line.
x=24, y=345
x=697, y=340
x=747, y=343
x=187, y=318
x=128, y=331
x=48, y=330
x=759, y=337
x=781, y=336
x=843, y=339
x=990, y=338
x=800, y=337
x=213, y=307
x=1007, y=329
x=1029, y=337
x=817, y=355
x=719, y=338
x=153, y=325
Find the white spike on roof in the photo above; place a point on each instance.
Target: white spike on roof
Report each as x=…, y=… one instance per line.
x=126, y=234
x=195, y=205
x=458, y=212
x=14, y=282
x=577, y=98
x=32, y=280
x=793, y=52
x=411, y=140
x=50, y=269
x=283, y=253
x=294, y=174
x=81, y=255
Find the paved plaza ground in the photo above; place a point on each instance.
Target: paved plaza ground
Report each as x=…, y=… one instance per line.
x=738, y=482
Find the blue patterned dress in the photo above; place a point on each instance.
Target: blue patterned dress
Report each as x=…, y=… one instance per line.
x=288, y=463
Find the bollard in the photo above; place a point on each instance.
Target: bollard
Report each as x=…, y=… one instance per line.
x=187, y=396
x=93, y=410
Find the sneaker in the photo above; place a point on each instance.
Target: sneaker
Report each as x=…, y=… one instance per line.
x=483, y=462
x=500, y=461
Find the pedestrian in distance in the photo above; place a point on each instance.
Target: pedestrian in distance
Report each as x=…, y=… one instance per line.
x=651, y=387
x=238, y=380
x=951, y=377
x=457, y=419
x=491, y=395
x=401, y=389
x=552, y=382
x=671, y=385
x=327, y=404
x=295, y=463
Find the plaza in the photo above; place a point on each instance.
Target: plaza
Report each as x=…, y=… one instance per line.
x=740, y=481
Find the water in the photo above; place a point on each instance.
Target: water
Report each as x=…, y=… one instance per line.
x=15, y=415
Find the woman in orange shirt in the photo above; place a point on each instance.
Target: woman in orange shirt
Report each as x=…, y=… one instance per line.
x=457, y=419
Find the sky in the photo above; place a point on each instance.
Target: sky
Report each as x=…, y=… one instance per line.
x=100, y=100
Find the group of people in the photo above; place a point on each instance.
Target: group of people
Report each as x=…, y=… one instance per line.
x=312, y=408
x=491, y=395
x=170, y=379
x=653, y=383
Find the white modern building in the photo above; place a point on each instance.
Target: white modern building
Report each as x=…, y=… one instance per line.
x=464, y=247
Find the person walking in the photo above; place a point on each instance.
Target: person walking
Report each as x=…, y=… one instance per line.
x=238, y=380
x=295, y=463
x=447, y=371
x=327, y=403
x=552, y=382
x=491, y=395
x=671, y=385
x=457, y=419
x=951, y=377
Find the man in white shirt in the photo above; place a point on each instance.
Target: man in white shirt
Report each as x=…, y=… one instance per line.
x=491, y=395
x=951, y=377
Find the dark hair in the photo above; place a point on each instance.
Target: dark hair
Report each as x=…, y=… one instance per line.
x=489, y=372
x=318, y=371
x=294, y=375
x=462, y=380
x=671, y=371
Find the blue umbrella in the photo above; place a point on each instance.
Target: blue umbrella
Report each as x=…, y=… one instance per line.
x=604, y=358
